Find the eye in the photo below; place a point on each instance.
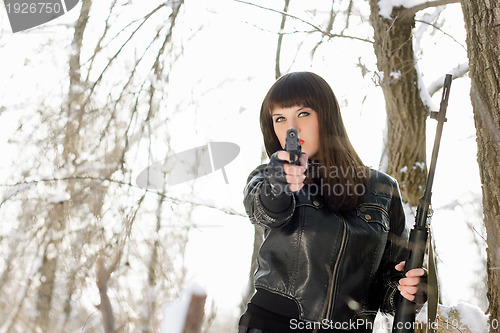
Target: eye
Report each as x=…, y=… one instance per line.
x=279, y=119
x=304, y=114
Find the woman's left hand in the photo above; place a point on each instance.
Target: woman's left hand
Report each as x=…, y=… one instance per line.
x=408, y=286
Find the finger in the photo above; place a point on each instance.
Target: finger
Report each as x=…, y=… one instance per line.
x=400, y=267
x=409, y=281
x=283, y=155
x=294, y=170
x=303, y=160
x=408, y=290
x=295, y=179
x=295, y=187
x=415, y=272
x=407, y=296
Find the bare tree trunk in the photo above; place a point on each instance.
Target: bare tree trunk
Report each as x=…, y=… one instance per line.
x=48, y=269
x=74, y=109
x=195, y=314
x=103, y=275
x=58, y=214
x=406, y=113
x=153, y=276
x=277, y=73
x=482, y=22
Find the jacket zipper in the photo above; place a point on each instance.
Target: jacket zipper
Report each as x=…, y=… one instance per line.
x=335, y=270
x=377, y=207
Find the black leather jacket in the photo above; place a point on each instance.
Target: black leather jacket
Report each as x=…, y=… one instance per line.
x=337, y=267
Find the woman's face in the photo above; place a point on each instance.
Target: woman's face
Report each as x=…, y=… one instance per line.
x=305, y=121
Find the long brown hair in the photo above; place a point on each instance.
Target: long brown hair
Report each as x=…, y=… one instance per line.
x=340, y=173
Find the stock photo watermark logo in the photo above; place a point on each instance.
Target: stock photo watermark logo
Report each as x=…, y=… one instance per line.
x=26, y=14
x=188, y=165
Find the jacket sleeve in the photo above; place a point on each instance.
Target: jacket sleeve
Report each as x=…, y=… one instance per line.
x=395, y=252
x=262, y=207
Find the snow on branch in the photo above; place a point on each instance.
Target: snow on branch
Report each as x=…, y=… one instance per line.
x=457, y=72
x=16, y=188
x=412, y=6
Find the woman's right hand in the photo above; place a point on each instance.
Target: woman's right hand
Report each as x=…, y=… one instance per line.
x=283, y=175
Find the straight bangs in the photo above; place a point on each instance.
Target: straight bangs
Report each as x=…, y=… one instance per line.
x=291, y=90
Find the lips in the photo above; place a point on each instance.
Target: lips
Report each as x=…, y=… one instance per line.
x=301, y=141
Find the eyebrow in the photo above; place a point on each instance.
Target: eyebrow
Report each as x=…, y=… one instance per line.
x=279, y=114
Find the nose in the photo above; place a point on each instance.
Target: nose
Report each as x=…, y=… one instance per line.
x=294, y=124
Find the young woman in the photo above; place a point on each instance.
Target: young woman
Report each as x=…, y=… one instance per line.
x=334, y=229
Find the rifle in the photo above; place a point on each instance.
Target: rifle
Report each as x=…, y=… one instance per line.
x=404, y=319
x=293, y=146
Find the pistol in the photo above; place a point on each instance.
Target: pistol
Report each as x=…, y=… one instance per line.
x=293, y=146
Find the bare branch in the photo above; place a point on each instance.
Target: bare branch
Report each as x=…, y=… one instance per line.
x=98, y=46
x=333, y=16
x=103, y=276
x=348, y=16
x=329, y=28
x=283, y=32
x=155, y=67
x=316, y=28
x=119, y=99
x=226, y=210
x=74, y=60
x=144, y=20
x=10, y=322
x=280, y=39
x=444, y=32
x=410, y=12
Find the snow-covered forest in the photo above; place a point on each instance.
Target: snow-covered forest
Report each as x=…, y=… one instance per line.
x=91, y=99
